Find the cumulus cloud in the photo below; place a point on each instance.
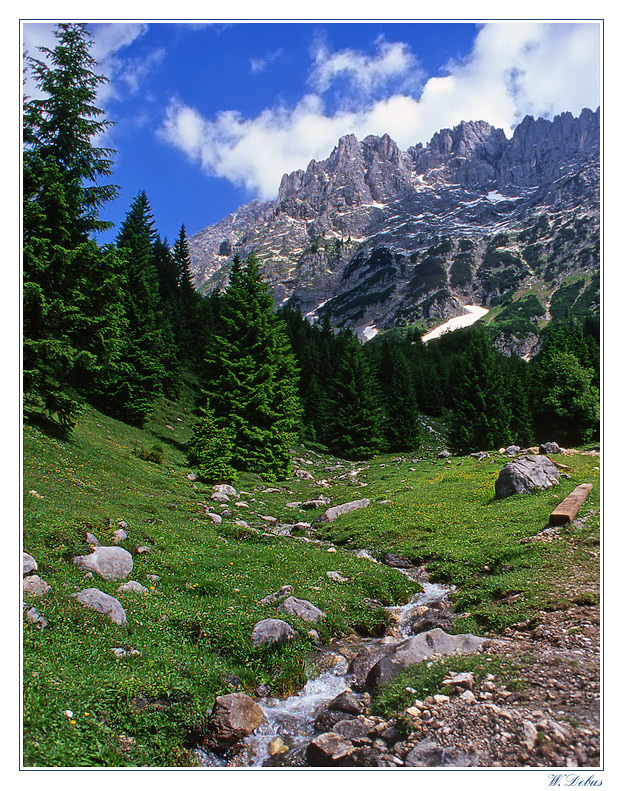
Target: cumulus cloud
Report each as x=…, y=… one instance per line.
x=393, y=61
x=514, y=69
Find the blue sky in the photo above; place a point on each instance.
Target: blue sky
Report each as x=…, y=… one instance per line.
x=210, y=116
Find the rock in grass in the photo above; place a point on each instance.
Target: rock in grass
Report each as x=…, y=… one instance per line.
x=111, y=563
x=416, y=649
x=34, y=617
x=302, y=609
x=224, y=488
x=233, y=717
x=338, y=510
x=525, y=474
x=94, y=599
x=35, y=586
x=29, y=564
x=272, y=630
x=132, y=585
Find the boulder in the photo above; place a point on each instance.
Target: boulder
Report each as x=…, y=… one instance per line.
x=29, y=564
x=111, y=563
x=282, y=593
x=525, y=474
x=428, y=753
x=94, y=599
x=549, y=447
x=220, y=497
x=355, y=728
x=34, y=586
x=233, y=717
x=301, y=608
x=416, y=649
x=338, y=510
x=272, y=630
x=224, y=488
x=132, y=585
x=345, y=701
x=327, y=749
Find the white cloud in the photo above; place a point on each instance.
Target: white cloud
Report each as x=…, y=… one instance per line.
x=514, y=69
x=366, y=73
x=259, y=64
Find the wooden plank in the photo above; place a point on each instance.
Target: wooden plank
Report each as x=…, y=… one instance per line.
x=569, y=508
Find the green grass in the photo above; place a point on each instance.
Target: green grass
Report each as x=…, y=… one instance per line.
x=193, y=628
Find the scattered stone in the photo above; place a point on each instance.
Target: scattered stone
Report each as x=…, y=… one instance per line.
x=34, y=617
x=443, y=454
x=345, y=701
x=215, y=518
x=294, y=504
x=152, y=577
x=272, y=630
x=241, y=523
x=525, y=474
x=29, y=564
x=233, y=717
x=119, y=535
x=327, y=749
x=92, y=540
x=270, y=519
x=303, y=475
x=511, y=450
x=220, y=497
x=428, y=753
x=302, y=609
x=224, y=488
x=277, y=746
x=317, y=502
x=332, y=549
x=339, y=510
x=282, y=593
x=144, y=550
x=335, y=576
x=546, y=448
x=94, y=599
x=120, y=653
x=397, y=561
x=132, y=586
x=111, y=563
x=364, y=554
x=35, y=586
x=33, y=493
x=460, y=680
x=191, y=476
x=480, y=455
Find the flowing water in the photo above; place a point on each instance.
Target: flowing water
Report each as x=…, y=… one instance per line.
x=292, y=719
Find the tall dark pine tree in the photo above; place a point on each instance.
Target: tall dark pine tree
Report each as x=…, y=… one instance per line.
x=192, y=336
x=64, y=330
x=354, y=429
x=481, y=418
x=402, y=427
x=145, y=350
x=252, y=379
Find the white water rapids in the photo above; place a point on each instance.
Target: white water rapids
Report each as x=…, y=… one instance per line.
x=293, y=718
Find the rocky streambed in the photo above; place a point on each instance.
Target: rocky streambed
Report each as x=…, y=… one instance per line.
x=551, y=719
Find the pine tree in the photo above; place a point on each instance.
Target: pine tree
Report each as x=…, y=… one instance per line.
x=354, y=429
x=402, y=426
x=191, y=335
x=62, y=267
x=481, y=418
x=211, y=449
x=252, y=378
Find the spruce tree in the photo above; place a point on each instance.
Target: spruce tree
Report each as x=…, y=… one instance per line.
x=66, y=279
x=481, y=418
x=252, y=378
x=354, y=429
x=402, y=426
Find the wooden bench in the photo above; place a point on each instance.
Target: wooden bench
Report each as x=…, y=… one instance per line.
x=569, y=508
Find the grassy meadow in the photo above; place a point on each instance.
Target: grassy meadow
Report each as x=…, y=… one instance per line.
x=83, y=706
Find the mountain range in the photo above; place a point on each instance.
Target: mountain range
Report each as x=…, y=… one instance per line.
x=375, y=237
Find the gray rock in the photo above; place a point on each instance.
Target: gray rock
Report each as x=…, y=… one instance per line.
x=215, y=518
x=548, y=448
x=272, y=630
x=224, y=488
x=335, y=576
x=233, y=717
x=111, y=563
x=525, y=474
x=95, y=599
x=282, y=593
x=119, y=535
x=317, y=502
x=34, y=617
x=220, y=497
x=304, y=475
x=345, y=701
x=327, y=749
x=132, y=586
x=511, y=450
x=339, y=510
x=92, y=540
x=302, y=609
x=428, y=753
x=35, y=586
x=397, y=561
x=355, y=728
x=443, y=454
x=29, y=564
x=416, y=649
